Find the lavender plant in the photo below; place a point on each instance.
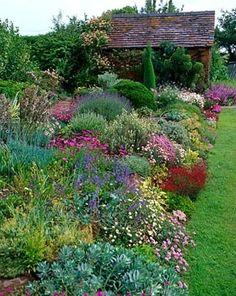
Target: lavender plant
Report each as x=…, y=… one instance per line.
x=109, y=105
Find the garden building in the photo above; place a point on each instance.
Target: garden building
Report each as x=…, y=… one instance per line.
x=191, y=30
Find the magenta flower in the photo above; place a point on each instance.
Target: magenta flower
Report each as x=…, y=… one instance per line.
x=223, y=95
x=216, y=108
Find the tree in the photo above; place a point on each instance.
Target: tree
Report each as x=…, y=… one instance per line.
x=123, y=10
x=163, y=7
x=225, y=33
x=149, y=78
x=14, y=54
x=218, y=70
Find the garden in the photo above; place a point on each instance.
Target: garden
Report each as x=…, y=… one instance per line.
x=100, y=176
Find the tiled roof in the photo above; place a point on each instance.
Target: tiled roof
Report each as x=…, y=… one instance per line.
x=185, y=29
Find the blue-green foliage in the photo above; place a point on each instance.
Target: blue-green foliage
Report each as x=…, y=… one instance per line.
x=114, y=270
x=25, y=155
x=17, y=154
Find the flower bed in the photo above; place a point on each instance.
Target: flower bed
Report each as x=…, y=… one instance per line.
x=104, y=215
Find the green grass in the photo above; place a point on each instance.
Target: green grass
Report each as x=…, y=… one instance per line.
x=229, y=82
x=213, y=262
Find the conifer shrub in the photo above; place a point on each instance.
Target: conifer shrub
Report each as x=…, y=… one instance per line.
x=136, y=92
x=149, y=79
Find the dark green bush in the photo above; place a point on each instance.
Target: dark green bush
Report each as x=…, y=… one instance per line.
x=137, y=93
x=178, y=202
x=114, y=270
x=11, y=88
x=15, y=62
x=175, y=65
x=106, y=104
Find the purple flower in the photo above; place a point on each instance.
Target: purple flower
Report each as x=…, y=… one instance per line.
x=223, y=95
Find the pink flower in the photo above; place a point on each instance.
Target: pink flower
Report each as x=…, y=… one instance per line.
x=216, y=108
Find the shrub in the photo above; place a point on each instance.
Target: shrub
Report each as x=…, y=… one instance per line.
x=146, y=251
x=175, y=131
x=175, y=64
x=185, y=107
x=20, y=155
x=105, y=104
x=138, y=165
x=5, y=115
x=34, y=106
x=88, y=121
x=11, y=88
x=221, y=94
x=166, y=97
x=186, y=181
x=82, y=90
x=137, y=93
x=103, y=267
x=129, y=131
x=178, y=202
x=15, y=54
x=33, y=233
x=218, y=70
x=107, y=80
x=175, y=115
x=63, y=110
x=149, y=79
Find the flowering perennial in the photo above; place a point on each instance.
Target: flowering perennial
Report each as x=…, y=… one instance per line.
x=191, y=97
x=79, y=140
x=186, y=181
x=223, y=95
x=160, y=149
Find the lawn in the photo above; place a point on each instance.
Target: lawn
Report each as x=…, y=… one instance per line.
x=212, y=263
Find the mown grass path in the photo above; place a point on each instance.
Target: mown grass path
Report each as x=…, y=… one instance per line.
x=213, y=262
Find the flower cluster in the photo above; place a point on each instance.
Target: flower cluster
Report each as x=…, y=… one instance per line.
x=192, y=98
x=172, y=240
x=78, y=141
x=96, y=34
x=211, y=116
x=223, y=95
x=186, y=181
x=134, y=221
x=63, y=110
x=160, y=149
x=216, y=108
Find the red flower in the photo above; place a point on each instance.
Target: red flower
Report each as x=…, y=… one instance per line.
x=186, y=181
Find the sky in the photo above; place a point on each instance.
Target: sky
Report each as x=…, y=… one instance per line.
x=35, y=16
